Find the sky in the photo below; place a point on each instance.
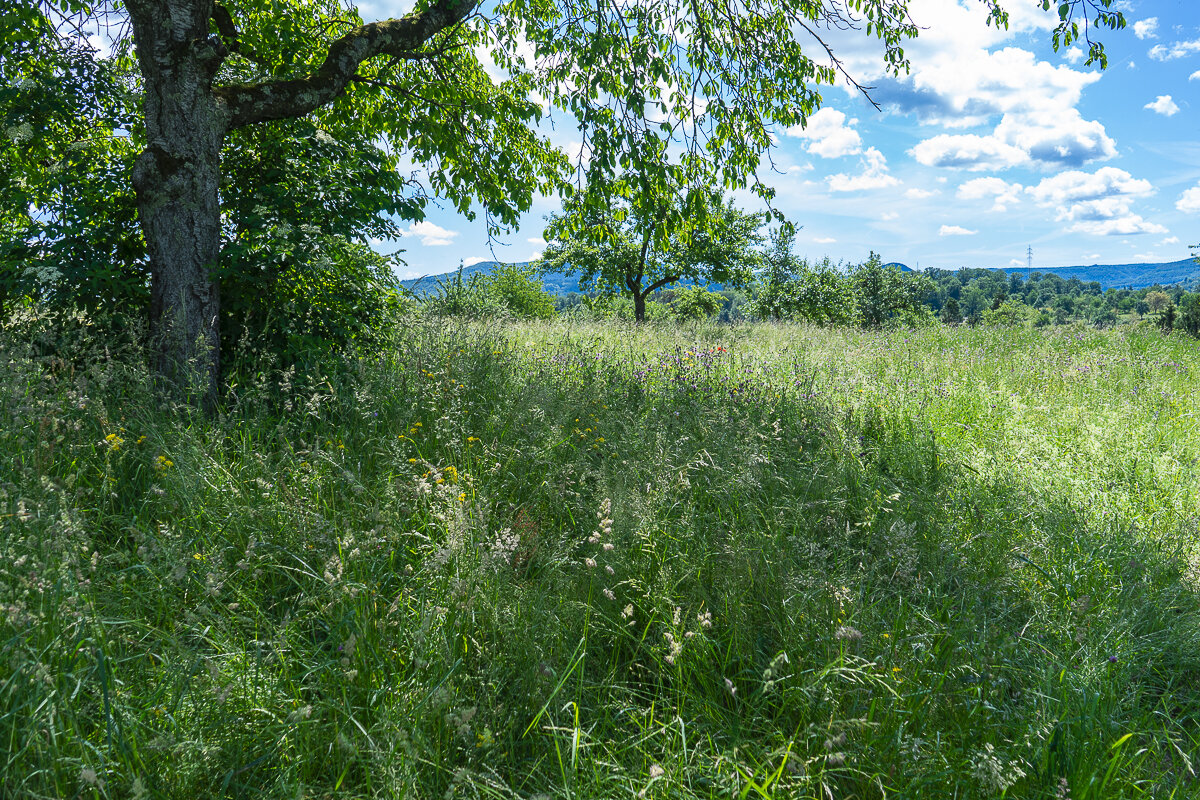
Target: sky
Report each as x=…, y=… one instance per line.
x=992, y=145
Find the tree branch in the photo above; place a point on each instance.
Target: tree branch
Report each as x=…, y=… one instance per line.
x=661, y=283
x=224, y=22
x=294, y=98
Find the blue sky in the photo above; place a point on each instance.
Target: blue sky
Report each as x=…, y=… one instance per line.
x=994, y=143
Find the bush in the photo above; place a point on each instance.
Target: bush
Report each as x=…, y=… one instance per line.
x=518, y=288
x=295, y=295
x=511, y=291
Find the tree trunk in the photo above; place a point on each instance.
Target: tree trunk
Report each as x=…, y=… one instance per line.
x=176, y=179
x=639, y=307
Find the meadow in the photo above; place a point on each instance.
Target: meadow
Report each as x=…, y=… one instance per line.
x=552, y=560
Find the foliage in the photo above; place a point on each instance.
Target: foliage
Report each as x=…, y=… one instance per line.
x=696, y=302
x=511, y=290
x=1009, y=312
x=68, y=230
x=319, y=296
x=792, y=288
x=950, y=314
x=885, y=294
x=519, y=288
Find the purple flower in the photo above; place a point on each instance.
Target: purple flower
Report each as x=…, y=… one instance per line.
x=1112, y=659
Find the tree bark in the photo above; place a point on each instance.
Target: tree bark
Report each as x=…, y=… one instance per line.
x=176, y=179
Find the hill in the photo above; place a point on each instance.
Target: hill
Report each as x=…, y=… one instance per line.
x=554, y=282
x=1137, y=276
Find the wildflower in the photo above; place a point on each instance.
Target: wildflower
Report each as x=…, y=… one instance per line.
x=994, y=774
x=162, y=463
x=656, y=771
x=846, y=633
x=609, y=593
x=729, y=687
x=304, y=712
x=675, y=646
x=705, y=620
x=591, y=563
x=113, y=442
x=608, y=568
x=608, y=546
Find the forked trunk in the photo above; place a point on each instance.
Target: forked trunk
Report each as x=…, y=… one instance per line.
x=176, y=179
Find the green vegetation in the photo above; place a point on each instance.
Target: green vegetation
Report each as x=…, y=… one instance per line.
x=566, y=559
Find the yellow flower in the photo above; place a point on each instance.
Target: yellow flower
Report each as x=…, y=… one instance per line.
x=462, y=497
x=472, y=439
x=451, y=474
x=162, y=463
x=114, y=441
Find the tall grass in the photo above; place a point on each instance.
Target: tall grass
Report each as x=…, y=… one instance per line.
x=553, y=560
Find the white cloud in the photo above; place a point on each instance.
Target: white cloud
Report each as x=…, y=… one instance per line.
x=955, y=230
x=535, y=255
x=1073, y=55
x=1160, y=52
x=976, y=85
x=536, y=240
x=1169, y=240
x=824, y=240
x=1074, y=186
x=472, y=261
x=1002, y=193
x=888, y=216
x=1194, y=76
x=1061, y=138
x=920, y=194
x=1128, y=225
x=828, y=134
x=1163, y=105
x=430, y=235
x=969, y=151
x=1146, y=28
x=1097, y=203
x=874, y=175
x=1189, y=201
x=1022, y=139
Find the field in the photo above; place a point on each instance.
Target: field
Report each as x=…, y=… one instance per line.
x=555, y=560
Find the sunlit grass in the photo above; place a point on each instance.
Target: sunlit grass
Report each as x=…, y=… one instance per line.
x=588, y=561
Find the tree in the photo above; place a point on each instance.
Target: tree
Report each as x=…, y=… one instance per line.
x=620, y=249
x=950, y=312
x=790, y=287
x=885, y=292
x=686, y=92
